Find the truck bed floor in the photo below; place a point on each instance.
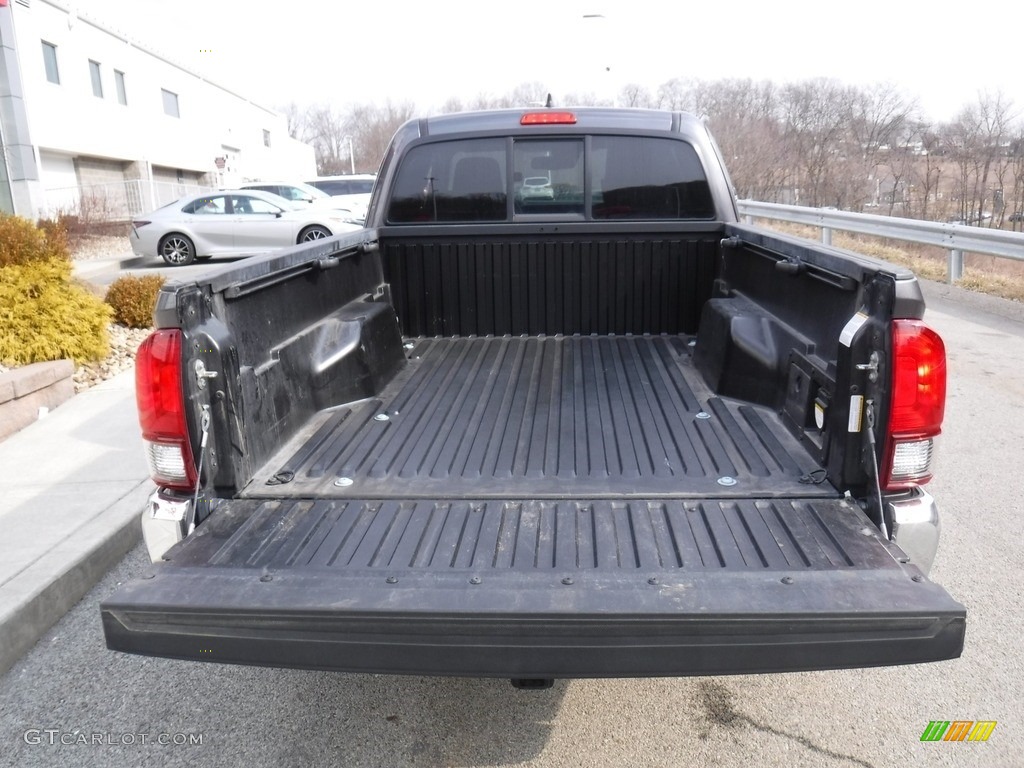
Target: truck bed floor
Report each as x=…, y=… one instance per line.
x=543, y=417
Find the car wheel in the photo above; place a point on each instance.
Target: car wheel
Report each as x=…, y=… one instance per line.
x=177, y=250
x=313, y=233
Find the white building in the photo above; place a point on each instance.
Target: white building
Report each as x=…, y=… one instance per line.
x=90, y=119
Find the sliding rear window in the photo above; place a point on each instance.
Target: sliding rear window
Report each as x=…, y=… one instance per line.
x=630, y=177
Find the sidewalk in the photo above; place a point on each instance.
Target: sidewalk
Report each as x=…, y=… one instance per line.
x=76, y=482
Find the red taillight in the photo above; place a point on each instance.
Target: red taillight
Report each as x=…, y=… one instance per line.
x=140, y=223
x=918, y=403
x=548, y=118
x=158, y=391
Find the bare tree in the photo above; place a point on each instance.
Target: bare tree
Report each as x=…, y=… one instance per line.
x=878, y=119
x=815, y=117
x=976, y=144
x=452, y=104
x=529, y=94
x=585, y=99
x=995, y=112
x=676, y=94
x=295, y=118
x=371, y=127
x=326, y=131
x=634, y=95
x=744, y=117
x=1015, y=202
x=489, y=101
x=922, y=152
x=534, y=94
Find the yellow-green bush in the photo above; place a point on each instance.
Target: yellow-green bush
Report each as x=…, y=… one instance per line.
x=133, y=298
x=21, y=242
x=43, y=314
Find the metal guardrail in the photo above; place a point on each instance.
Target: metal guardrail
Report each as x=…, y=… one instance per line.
x=956, y=238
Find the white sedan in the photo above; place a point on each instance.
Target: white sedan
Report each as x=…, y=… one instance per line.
x=235, y=223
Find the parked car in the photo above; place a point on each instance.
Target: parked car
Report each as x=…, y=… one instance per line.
x=232, y=222
x=352, y=190
x=537, y=187
x=296, y=191
x=352, y=184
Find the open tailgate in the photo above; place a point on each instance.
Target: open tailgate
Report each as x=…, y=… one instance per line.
x=538, y=589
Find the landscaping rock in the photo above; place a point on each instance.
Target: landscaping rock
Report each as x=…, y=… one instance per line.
x=124, y=343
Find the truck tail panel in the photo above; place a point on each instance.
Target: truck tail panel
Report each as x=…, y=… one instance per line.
x=538, y=589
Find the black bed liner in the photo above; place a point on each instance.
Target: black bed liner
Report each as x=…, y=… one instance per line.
x=534, y=536
x=520, y=588
x=537, y=507
x=692, y=535
x=543, y=417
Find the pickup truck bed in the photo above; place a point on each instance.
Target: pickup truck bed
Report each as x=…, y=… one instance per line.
x=549, y=417
x=485, y=436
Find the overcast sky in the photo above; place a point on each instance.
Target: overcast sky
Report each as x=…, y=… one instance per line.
x=337, y=51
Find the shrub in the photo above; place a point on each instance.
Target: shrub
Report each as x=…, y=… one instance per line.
x=21, y=242
x=45, y=317
x=43, y=314
x=93, y=215
x=56, y=231
x=133, y=299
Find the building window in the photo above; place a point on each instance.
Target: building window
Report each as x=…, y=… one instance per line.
x=122, y=94
x=97, y=81
x=266, y=138
x=50, y=61
x=170, y=103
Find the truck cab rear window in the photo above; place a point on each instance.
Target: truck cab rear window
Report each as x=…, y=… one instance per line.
x=631, y=177
x=452, y=181
x=647, y=178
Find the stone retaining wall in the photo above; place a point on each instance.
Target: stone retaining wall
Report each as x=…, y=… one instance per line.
x=25, y=391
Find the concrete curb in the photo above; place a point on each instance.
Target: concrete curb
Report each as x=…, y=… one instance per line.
x=51, y=586
x=90, y=267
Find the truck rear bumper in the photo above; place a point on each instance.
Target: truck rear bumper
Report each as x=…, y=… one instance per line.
x=537, y=590
x=915, y=526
